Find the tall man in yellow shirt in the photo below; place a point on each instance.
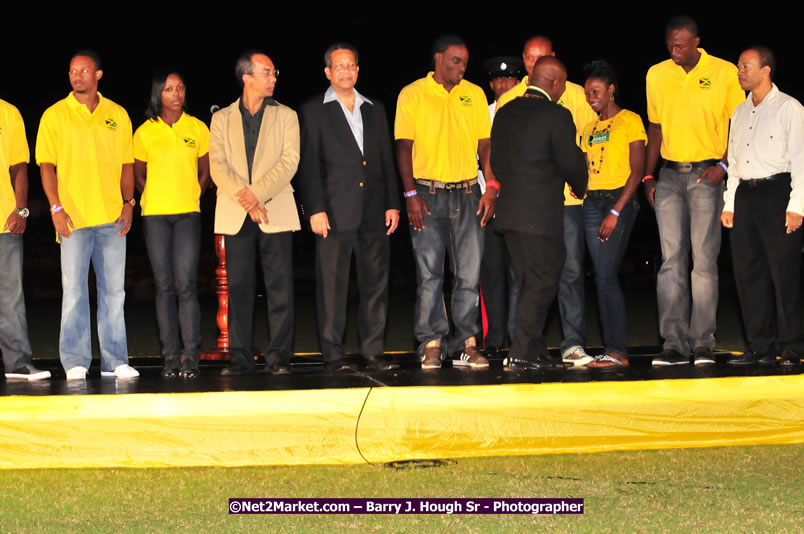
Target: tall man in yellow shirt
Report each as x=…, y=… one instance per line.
x=571, y=300
x=442, y=125
x=84, y=152
x=691, y=97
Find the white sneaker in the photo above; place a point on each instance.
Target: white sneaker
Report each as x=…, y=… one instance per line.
x=122, y=371
x=576, y=356
x=77, y=373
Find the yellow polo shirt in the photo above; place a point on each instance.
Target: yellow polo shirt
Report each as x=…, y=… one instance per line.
x=693, y=108
x=13, y=150
x=171, y=154
x=89, y=151
x=608, y=151
x=445, y=128
x=574, y=99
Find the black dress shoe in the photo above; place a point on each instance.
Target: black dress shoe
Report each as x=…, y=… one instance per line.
x=334, y=366
x=170, y=372
x=749, y=357
x=190, y=373
x=790, y=358
x=380, y=363
x=532, y=365
x=237, y=370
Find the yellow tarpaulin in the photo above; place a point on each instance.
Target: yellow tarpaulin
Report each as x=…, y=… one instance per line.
x=321, y=426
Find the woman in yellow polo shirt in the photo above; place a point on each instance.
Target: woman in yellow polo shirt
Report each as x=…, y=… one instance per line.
x=615, y=154
x=171, y=168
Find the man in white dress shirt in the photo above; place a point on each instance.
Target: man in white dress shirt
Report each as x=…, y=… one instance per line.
x=763, y=207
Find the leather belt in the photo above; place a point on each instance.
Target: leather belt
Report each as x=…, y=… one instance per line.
x=689, y=166
x=448, y=186
x=756, y=182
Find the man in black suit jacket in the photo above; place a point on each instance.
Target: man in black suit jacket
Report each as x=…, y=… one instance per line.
x=533, y=152
x=347, y=180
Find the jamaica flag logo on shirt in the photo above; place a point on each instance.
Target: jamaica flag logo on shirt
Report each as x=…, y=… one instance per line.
x=189, y=142
x=466, y=101
x=704, y=83
x=111, y=124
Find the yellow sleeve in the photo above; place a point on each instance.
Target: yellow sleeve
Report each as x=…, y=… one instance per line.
x=653, y=110
x=203, y=138
x=18, y=146
x=47, y=139
x=405, y=121
x=482, y=116
x=635, y=129
x=128, y=151
x=140, y=152
x=735, y=95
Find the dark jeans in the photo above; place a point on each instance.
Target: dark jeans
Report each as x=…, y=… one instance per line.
x=174, y=244
x=571, y=299
x=606, y=258
x=13, y=325
x=453, y=230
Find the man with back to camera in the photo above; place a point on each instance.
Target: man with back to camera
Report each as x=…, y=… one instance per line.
x=347, y=182
x=691, y=97
x=14, y=155
x=85, y=156
x=571, y=300
x=497, y=284
x=253, y=154
x=763, y=207
x=534, y=151
x=442, y=125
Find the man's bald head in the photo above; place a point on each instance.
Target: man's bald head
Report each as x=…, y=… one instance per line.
x=550, y=75
x=535, y=48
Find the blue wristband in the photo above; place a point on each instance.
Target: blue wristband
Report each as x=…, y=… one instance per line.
x=614, y=212
x=723, y=166
x=411, y=193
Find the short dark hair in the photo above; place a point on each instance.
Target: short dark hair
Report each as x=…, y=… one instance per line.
x=339, y=46
x=91, y=54
x=682, y=22
x=157, y=85
x=766, y=58
x=445, y=41
x=600, y=70
x=244, y=64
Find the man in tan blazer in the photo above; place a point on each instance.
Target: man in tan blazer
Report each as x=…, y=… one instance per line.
x=253, y=154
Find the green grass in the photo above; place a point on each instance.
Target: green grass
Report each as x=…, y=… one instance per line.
x=745, y=489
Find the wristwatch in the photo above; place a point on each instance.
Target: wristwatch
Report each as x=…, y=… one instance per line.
x=131, y=201
x=23, y=212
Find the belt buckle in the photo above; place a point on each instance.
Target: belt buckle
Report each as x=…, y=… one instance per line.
x=685, y=167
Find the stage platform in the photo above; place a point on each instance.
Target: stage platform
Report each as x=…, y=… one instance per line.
x=353, y=416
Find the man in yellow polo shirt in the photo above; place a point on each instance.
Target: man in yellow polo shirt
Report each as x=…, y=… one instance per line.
x=13, y=215
x=691, y=97
x=442, y=125
x=571, y=300
x=83, y=149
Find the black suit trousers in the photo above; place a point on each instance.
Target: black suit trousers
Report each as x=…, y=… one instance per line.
x=276, y=256
x=767, y=267
x=537, y=261
x=372, y=251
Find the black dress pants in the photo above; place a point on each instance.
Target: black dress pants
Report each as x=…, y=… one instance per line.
x=767, y=264
x=333, y=260
x=275, y=252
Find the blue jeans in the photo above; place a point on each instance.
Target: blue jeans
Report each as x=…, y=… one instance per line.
x=688, y=215
x=571, y=300
x=174, y=244
x=452, y=229
x=606, y=257
x=13, y=326
x=107, y=251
